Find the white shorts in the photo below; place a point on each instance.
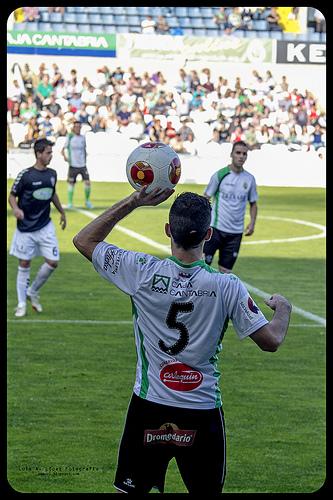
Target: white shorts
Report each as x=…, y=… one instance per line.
x=26, y=246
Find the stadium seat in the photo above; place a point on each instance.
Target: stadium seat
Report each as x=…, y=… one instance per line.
x=120, y=19
x=277, y=35
x=184, y=22
x=173, y=22
x=45, y=26
x=70, y=10
x=187, y=31
x=197, y=22
x=32, y=26
x=209, y=23
x=109, y=28
x=206, y=12
x=107, y=18
x=314, y=37
x=95, y=18
x=263, y=34
x=19, y=26
x=59, y=27
x=323, y=37
x=105, y=10
x=44, y=17
x=133, y=20
x=251, y=34
x=81, y=10
x=259, y=24
x=118, y=10
x=239, y=33
x=194, y=12
x=70, y=17
x=213, y=32
x=99, y=28
x=122, y=29
x=132, y=11
x=181, y=11
x=55, y=17
x=82, y=18
x=144, y=11
x=71, y=27
x=94, y=10
x=156, y=11
x=85, y=28
x=290, y=37
x=199, y=32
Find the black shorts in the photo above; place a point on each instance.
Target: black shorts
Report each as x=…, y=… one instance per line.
x=155, y=433
x=73, y=172
x=228, y=245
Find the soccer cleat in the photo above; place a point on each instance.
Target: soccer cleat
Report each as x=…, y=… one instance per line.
x=21, y=310
x=89, y=204
x=34, y=299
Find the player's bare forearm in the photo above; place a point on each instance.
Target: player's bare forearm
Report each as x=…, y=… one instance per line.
x=18, y=213
x=253, y=217
x=57, y=204
x=97, y=230
x=271, y=336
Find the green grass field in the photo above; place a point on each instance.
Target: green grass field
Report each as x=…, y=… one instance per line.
x=71, y=369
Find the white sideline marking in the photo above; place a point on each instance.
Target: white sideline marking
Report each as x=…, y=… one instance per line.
x=102, y=322
x=260, y=293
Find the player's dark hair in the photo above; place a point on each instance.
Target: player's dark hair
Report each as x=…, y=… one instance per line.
x=189, y=219
x=239, y=143
x=41, y=144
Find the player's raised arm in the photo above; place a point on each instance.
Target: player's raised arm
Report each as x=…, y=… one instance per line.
x=97, y=230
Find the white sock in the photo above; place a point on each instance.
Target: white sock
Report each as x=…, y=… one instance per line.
x=42, y=276
x=22, y=283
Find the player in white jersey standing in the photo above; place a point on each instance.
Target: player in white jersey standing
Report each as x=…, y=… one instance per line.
x=181, y=308
x=30, y=198
x=75, y=153
x=232, y=187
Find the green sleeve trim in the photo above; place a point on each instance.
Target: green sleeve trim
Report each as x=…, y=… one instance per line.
x=220, y=175
x=144, y=361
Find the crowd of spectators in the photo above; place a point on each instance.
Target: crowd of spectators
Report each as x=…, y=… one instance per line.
x=195, y=109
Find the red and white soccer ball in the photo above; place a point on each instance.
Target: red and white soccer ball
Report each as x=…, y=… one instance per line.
x=154, y=164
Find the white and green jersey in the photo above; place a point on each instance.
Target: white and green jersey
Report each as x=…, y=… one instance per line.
x=180, y=315
x=76, y=147
x=232, y=191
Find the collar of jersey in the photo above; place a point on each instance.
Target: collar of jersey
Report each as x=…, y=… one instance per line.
x=196, y=263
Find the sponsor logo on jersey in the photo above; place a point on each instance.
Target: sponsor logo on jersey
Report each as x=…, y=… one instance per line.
x=140, y=260
x=245, y=185
x=169, y=433
x=252, y=306
x=184, y=276
x=232, y=196
x=52, y=179
x=43, y=194
x=36, y=183
x=160, y=283
x=180, y=377
x=112, y=259
x=249, y=307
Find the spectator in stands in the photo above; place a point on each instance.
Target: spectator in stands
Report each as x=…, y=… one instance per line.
x=45, y=126
x=234, y=19
x=293, y=139
x=237, y=135
x=221, y=18
x=316, y=137
x=55, y=75
x=75, y=102
x=81, y=114
x=56, y=9
x=250, y=137
x=155, y=131
x=61, y=89
x=177, y=143
x=277, y=137
x=31, y=108
x=162, y=27
x=44, y=89
x=205, y=80
x=32, y=131
x=320, y=26
x=19, y=15
x=190, y=146
x=305, y=138
x=247, y=18
x=15, y=92
x=273, y=20
x=224, y=132
x=29, y=79
x=270, y=81
x=301, y=116
x=263, y=135
x=216, y=138
x=184, y=130
x=284, y=84
x=53, y=108
x=148, y=25
x=31, y=14
x=184, y=82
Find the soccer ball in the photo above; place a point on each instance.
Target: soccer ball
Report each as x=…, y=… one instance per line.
x=155, y=164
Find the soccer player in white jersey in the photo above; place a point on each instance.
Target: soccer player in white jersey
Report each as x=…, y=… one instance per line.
x=181, y=308
x=75, y=153
x=232, y=187
x=30, y=198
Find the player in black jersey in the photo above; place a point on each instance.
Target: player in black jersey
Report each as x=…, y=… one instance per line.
x=30, y=198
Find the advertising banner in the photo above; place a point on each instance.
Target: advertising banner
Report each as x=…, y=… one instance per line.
x=301, y=52
x=61, y=44
x=221, y=49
